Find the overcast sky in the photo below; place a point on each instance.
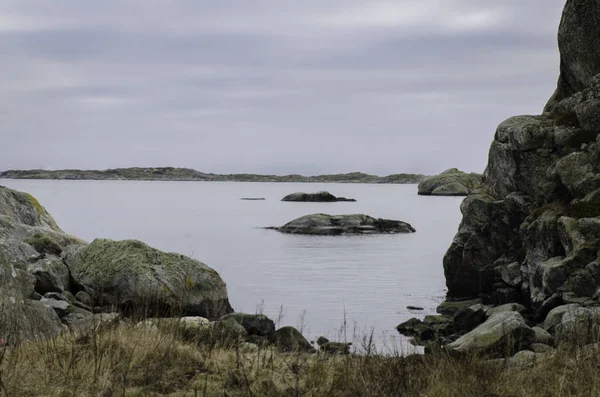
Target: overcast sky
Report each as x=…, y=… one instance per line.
x=269, y=86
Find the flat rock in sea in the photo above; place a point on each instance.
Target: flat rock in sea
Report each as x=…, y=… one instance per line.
x=253, y=198
x=335, y=225
x=319, y=197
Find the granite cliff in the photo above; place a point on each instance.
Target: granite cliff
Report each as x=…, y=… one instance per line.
x=531, y=233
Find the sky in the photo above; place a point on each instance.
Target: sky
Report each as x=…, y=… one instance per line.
x=269, y=86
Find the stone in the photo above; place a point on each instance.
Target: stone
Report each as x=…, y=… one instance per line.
x=543, y=336
x=451, y=182
x=136, y=277
x=59, y=306
x=555, y=316
x=541, y=348
x=51, y=275
x=509, y=307
x=254, y=324
x=416, y=308
x=289, y=339
x=581, y=326
x=468, y=318
x=336, y=348
x=84, y=298
x=44, y=244
x=502, y=333
x=321, y=340
x=335, y=225
x=449, y=308
x=322, y=197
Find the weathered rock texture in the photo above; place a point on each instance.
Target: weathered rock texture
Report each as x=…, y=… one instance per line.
x=42, y=269
x=452, y=182
x=532, y=232
x=335, y=225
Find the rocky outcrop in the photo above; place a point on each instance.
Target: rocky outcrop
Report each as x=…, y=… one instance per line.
x=531, y=233
x=452, y=182
x=335, y=225
x=49, y=279
x=136, y=277
x=320, y=197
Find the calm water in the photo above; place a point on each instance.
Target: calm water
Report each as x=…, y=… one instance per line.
x=313, y=281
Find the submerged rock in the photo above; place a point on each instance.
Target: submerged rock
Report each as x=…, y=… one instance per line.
x=451, y=182
x=334, y=225
x=320, y=197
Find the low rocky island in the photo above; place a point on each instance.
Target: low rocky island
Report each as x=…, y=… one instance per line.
x=320, y=197
x=336, y=225
x=188, y=174
x=452, y=182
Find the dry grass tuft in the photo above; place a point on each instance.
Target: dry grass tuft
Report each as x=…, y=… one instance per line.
x=130, y=360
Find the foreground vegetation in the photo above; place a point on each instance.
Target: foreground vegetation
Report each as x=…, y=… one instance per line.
x=140, y=360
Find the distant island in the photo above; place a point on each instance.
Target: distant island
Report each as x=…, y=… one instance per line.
x=188, y=174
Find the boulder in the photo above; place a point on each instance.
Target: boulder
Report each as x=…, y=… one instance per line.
x=320, y=197
x=84, y=298
x=336, y=348
x=468, y=318
x=542, y=336
x=289, y=339
x=335, y=225
x=136, y=277
x=541, y=348
x=51, y=275
x=503, y=333
x=450, y=308
x=255, y=324
x=508, y=307
x=555, y=316
x=451, y=182
x=580, y=326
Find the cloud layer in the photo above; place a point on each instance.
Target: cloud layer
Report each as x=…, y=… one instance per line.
x=272, y=86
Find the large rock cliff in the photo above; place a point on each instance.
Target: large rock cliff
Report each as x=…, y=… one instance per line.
x=531, y=233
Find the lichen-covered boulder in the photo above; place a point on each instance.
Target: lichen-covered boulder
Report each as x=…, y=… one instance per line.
x=139, y=279
x=335, y=225
x=580, y=325
x=452, y=182
x=51, y=275
x=320, y=197
x=503, y=333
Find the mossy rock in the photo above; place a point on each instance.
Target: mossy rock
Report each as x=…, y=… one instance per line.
x=289, y=339
x=337, y=348
x=255, y=324
x=141, y=280
x=43, y=244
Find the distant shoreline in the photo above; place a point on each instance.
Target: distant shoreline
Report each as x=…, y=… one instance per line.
x=188, y=174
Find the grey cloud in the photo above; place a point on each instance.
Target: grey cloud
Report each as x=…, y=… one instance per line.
x=270, y=86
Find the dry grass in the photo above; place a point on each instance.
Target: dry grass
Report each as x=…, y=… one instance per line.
x=147, y=361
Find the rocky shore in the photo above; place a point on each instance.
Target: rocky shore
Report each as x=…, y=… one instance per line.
x=528, y=247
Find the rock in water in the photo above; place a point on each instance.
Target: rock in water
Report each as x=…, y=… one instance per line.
x=335, y=225
x=533, y=229
x=451, y=182
x=136, y=277
x=320, y=197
